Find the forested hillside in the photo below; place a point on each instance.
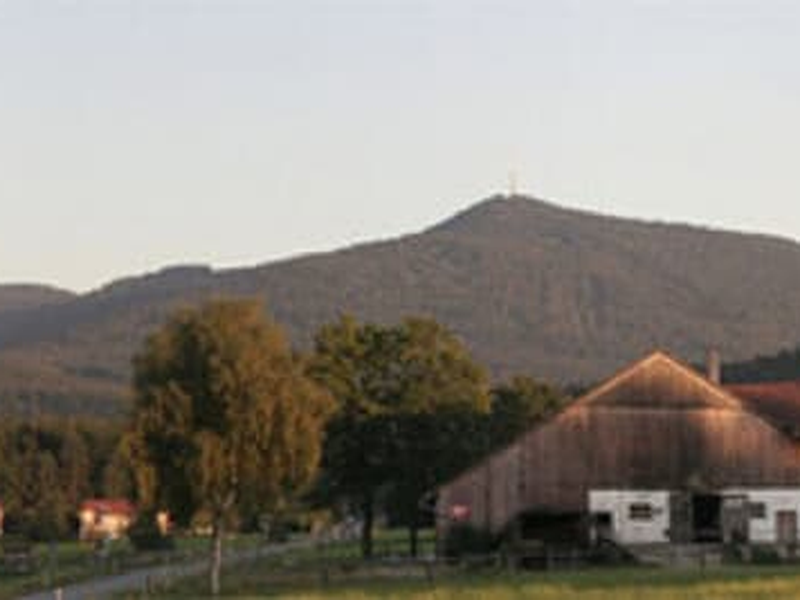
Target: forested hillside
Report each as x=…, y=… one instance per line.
x=533, y=289
x=783, y=366
x=18, y=297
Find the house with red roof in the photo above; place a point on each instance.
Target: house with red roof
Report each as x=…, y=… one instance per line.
x=105, y=519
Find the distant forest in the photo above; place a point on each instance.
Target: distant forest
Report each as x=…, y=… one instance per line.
x=784, y=366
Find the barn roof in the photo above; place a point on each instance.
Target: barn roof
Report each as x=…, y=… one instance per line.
x=663, y=381
x=778, y=403
x=660, y=381
x=113, y=506
x=657, y=382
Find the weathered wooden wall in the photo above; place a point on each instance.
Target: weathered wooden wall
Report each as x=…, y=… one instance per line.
x=655, y=427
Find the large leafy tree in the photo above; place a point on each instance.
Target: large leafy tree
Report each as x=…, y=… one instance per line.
x=49, y=467
x=443, y=401
x=407, y=400
x=33, y=484
x=351, y=360
x=74, y=464
x=519, y=405
x=224, y=419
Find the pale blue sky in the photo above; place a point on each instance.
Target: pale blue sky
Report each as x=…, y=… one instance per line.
x=140, y=133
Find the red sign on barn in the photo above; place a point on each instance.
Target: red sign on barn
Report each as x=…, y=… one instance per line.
x=460, y=512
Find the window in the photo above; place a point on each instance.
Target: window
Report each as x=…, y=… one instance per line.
x=757, y=510
x=603, y=519
x=641, y=512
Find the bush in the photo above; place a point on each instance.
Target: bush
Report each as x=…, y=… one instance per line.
x=40, y=526
x=765, y=556
x=466, y=540
x=147, y=537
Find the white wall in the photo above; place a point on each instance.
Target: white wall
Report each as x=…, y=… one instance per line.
x=634, y=531
x=764, y=530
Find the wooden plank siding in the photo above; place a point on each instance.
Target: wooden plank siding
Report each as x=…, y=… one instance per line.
x=658, y=425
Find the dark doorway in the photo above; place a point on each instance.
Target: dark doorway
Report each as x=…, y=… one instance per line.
x=736, y=519
x=554, y=528
x=707, y=518
x=602, y=526
x=786, y=523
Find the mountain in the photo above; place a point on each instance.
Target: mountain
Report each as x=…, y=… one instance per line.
x=533, y=288
x=19, y=297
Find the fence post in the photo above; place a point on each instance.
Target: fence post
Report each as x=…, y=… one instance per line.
x=326, y=576
x=429, y=573
x=51, y=564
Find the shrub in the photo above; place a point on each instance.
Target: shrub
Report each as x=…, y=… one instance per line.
x=466, y=540
x=146, y=536
x=765, y=555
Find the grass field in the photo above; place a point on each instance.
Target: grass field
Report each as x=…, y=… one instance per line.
x=771, y=583
x=69, y=562
x=336, y=573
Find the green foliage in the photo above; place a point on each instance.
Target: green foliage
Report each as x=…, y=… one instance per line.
x=465, y=540
x=117, y=476
x=224, y=414
x=408, y=398
x=49, y=467
x=145, y=534
x=765, y=555
x=225, y=420
x=518, y=406
x=719, y=583
x=783, y=366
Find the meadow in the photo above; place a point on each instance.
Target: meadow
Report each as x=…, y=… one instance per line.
x=763, y=583
x=71, y=562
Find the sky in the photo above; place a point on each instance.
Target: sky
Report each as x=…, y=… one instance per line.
x=136, y=134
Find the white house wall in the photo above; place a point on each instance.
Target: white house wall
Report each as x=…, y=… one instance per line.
x=627, y=530
x=765, y=530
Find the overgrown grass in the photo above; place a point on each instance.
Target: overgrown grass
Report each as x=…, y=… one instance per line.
x=71, y=562
x=336, y=573
x=774, y=583
x=387, y=543
x=59, y=563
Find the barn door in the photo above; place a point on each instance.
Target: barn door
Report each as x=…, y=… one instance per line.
x=680, y=518
x=786, y=522
x=735, y=520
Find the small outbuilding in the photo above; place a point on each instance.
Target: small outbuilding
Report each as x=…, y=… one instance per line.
x=105, y=519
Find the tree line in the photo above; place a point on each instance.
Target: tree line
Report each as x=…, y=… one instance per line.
x=412, y=409
x=230, y=423
x=783, y=366
x=50, y=465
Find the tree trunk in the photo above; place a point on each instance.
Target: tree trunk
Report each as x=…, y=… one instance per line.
x=368, y=515
x=216, y=558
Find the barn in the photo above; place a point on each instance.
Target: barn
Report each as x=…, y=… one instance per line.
x=658, y=454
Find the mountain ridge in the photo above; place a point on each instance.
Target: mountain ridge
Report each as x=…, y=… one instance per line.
x=532, y=287
x=22, y=296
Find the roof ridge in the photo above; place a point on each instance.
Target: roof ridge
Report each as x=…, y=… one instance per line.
x=727, y=397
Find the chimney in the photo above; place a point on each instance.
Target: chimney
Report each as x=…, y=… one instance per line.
x=714, y=366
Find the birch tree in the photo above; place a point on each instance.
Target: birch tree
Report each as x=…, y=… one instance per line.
x=223, y=414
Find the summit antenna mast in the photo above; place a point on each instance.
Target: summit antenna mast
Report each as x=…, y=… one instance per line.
x=512, y=184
